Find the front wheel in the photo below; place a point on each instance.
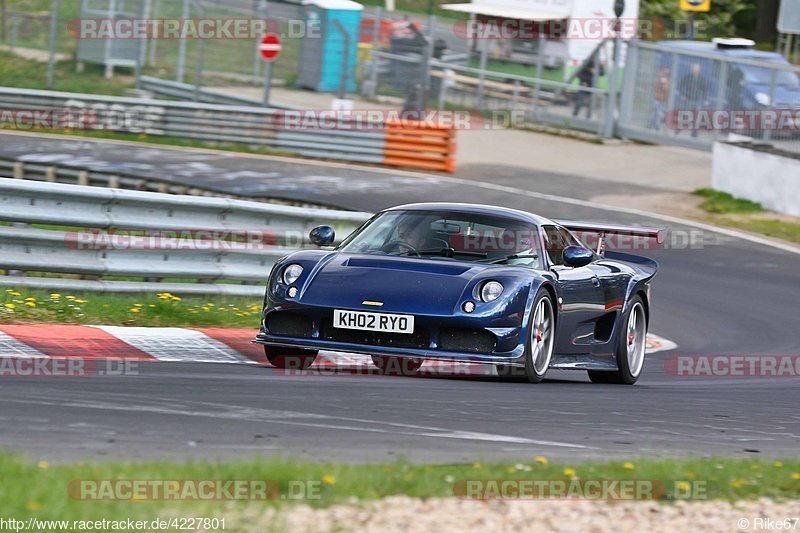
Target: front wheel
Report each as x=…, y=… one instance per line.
x=541, y=337
x=290, y=358
x=631, y=344
x=400, y=366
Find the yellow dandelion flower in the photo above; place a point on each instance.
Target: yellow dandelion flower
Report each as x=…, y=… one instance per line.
x=15, y=293
x=737, y=483
x=755, y=466
x=777, y=464
x=9, y=291
x=329, y=479
x=511, y=470
x=10, y=306
x=43, y=464
x=175, y=298
x=30, y=299
x=569, y=472
x=55, y=296
x=205, y=308
x=81, y=301
x=30, y=304
x=627, y=466
x=70, y=297
x=682, y=486
x=138, y=305
x=33, y=506
x=795, y=475
x=477, y=465
x=134, y=309
x=541, y=460
x=151, y=305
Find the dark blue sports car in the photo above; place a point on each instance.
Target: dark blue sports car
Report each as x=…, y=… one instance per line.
x=466, y=283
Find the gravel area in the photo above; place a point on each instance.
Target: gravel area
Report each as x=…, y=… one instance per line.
x=406, y=515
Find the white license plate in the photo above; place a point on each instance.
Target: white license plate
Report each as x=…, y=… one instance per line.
x=373, y=321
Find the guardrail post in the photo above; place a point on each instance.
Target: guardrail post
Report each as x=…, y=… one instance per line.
x=83, y=177
x=19, y=170
x=50, y=174
x=113, y=182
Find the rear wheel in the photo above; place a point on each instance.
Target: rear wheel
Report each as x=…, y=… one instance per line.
x=631, y=344
x=397, y=366
x=290, y=358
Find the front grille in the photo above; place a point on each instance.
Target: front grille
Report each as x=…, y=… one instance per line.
x=420, y=339
x=285, y=324
x=466, y=340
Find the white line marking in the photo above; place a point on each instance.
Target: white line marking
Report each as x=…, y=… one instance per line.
x=786, y=247
x=291, y=418
x=177, y=344
x=11, y=347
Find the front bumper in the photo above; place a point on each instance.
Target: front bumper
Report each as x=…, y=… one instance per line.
x=434, y=338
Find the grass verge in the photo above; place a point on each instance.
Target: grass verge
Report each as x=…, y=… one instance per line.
x=726, y=210
x=45, y=491
x=723, y=203
x=16, y=71
x=25, y=306
x=169, y=141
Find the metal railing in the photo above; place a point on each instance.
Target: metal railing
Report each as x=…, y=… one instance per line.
x=451, y=85
x=334, y=136
x=153, y=241
x=663, y=102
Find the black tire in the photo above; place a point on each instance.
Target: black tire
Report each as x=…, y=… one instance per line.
x=540, y=338
x=290, y=358
x=624, y=375
x=397, y=366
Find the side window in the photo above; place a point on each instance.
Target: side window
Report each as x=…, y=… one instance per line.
x=556, y=239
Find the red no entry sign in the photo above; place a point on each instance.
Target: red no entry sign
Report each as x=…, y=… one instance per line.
x=270, y=46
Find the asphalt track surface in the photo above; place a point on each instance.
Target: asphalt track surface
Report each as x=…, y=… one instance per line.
x=730, y=296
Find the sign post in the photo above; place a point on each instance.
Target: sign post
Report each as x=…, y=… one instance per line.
x=269, y=47
x=694, y=6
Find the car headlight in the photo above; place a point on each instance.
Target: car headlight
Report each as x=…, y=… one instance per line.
x=491, y=291
x=291, y=273
x=762, y=99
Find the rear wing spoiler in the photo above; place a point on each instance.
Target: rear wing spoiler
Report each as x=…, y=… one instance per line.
x=657, y=234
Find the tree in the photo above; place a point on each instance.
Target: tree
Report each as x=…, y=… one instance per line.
x=727, y=18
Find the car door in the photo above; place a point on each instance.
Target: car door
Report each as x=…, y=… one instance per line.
x=581, y=295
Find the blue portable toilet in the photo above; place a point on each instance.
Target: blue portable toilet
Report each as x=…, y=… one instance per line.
x=323, y=51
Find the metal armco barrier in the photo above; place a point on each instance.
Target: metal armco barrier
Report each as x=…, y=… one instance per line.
x=212, y=245
x=337, y=138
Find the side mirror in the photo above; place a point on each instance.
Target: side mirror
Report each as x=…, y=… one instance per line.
x=577, y=256
x=322, y=235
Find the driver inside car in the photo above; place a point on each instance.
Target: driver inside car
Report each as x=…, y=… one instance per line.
x=413, y=235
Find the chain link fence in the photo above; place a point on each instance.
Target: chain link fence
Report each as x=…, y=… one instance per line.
x=693, y=98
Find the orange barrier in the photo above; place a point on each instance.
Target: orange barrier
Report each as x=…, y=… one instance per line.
x=420, y=145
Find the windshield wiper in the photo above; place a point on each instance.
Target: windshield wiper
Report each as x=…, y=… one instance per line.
x=450, y=252
x=510, y=257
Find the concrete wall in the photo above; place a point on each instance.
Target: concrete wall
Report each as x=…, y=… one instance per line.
x=770, y=179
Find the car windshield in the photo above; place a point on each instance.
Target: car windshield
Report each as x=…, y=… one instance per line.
x=448, y=236
x=763, y=76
